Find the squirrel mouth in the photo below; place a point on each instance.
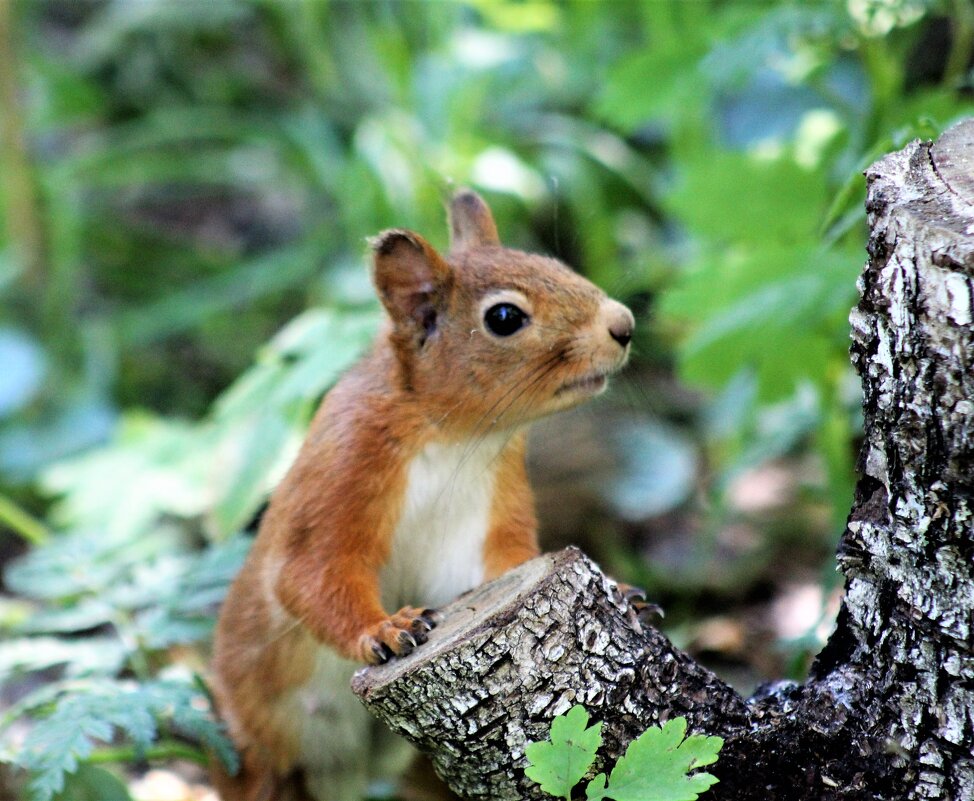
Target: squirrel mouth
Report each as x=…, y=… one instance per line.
x=589, y=383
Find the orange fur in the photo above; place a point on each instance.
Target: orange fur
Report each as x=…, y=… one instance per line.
x=438, y=384
x=510, y=538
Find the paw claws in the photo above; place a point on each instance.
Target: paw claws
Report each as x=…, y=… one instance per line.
x=634, y=595
x=398, y=635
x=420, y=631
x=645, y=611
x=405, y=643
x=420, y=625
x=380, y=653
x=648, y=612
x=431, y=617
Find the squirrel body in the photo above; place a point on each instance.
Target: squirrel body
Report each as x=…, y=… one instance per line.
x=409, y=490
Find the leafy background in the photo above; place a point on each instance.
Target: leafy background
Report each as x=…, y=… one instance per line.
x=186, y=188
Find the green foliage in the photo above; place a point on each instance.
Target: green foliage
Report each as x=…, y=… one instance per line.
x=707, y=153
x=91, y=783
x=199, y=176
x=657, y=765
x=150, y=598
x=562, y=762
x=770, y=112
x=161, y=467
x=268, y=408
x=91, y=712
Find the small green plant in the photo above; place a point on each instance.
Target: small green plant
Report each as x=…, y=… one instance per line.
x=655, y=767
x=153, y=716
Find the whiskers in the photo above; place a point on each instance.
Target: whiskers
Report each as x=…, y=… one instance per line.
x=635, y=395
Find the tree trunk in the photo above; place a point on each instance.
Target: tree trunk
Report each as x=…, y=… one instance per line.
x=905, y=634
x=888, y=711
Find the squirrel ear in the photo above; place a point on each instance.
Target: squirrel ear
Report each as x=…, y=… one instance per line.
x=412, y=279
x=471, y=223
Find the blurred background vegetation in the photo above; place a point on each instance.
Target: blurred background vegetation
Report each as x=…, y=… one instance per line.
x=186, y=187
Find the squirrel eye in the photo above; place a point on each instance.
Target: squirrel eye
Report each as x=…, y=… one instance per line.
x=505, y=319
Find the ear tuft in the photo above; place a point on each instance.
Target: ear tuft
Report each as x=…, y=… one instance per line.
x=388, y=241
x=471, y=223
x=412, y=279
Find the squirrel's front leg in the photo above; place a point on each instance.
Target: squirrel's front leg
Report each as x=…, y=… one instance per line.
x=338, y=600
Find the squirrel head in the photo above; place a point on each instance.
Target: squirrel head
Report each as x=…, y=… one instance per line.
x=489, y=337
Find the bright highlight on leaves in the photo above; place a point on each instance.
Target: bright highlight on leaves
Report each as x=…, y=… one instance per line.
x=655, y=767
x=559, y=764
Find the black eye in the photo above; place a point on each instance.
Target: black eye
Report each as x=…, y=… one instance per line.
x=505, y=319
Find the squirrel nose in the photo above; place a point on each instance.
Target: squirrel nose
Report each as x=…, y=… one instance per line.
x=621, y=335
x=620, y=328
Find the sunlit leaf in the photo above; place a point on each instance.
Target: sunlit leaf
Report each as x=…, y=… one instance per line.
x=657, y=765
x=561, y=762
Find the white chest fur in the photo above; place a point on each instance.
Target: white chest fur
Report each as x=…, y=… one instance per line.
x=437, y=553
x=437, y=549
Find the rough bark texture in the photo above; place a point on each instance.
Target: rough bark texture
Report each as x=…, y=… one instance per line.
x=888, y=712
x=907, y=554
x=515, y=653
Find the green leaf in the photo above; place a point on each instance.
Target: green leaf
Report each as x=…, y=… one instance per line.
x=181, y=704
x=57, y=744
x=779, y=311
x=184, y=614
x=264, y=413
x=93, y=713
x=671, y=65
x=734, y=197
x=596, y=789
x=656, y=765
x=559, y=764
x=263, y=441
x=80, y=657
x=624, y=103
x=91, y=783
x=150, y=468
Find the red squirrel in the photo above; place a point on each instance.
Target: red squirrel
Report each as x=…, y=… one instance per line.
x=409, y=490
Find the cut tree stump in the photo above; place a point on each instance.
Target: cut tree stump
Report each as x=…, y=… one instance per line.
x=888, y=710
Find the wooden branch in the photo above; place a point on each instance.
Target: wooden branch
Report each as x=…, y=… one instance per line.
x=553, y=633
x=888, y=712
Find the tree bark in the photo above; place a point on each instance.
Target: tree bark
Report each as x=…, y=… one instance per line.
x=888, y=710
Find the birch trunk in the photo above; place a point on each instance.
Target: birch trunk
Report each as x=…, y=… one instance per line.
x=905, y=635
x=888, y=711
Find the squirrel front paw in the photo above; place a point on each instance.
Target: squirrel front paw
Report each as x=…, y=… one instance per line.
x=397, y=635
